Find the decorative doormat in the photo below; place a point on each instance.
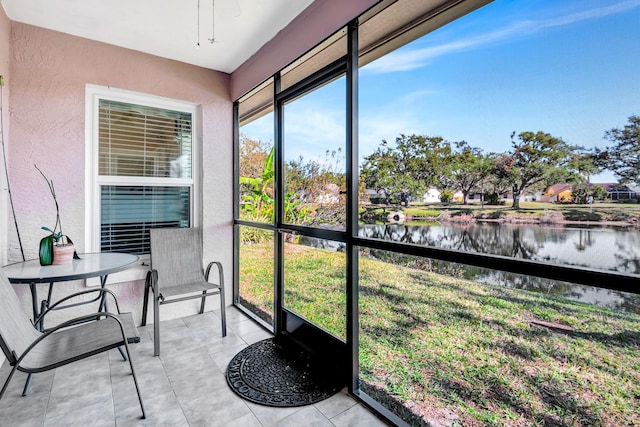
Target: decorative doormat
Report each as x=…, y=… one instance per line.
x=272, y=374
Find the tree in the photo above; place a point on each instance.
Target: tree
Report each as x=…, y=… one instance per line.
x=258, y=201
x=535, y=158
x=496, y=184
x=599, y=193
x=253, y=154
x=415, y=163
x=623, y=157
x=309, y=179
x=585, y=164
x=319, y=186
x=468, y=167
x=587, y=193
x=256, y=179
x=580, y=194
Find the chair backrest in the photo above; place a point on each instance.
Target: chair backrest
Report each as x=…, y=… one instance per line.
x=176, y=253
x=16, y=331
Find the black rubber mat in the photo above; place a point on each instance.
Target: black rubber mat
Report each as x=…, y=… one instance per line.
x=272, y=374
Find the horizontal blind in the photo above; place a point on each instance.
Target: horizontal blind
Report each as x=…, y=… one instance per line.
x=137, y=140
x=128, y=212
x=136, y=143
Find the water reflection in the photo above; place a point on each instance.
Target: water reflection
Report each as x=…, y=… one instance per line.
x=602, y=248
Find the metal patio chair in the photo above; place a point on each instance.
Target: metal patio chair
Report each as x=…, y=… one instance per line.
x=176, y=270
x=31, y=351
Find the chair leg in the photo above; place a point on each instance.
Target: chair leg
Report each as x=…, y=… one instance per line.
x=204, y=297
x=27, y=384
x=156, y=326
x=6, y=383
x=135, y=380
x=223, y=314
x=122, y=353
x=145, y=304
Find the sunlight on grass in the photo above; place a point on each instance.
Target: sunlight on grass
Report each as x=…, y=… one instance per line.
x=256, y=278
x=444, y=350
x=458, y=350
x=315, y=286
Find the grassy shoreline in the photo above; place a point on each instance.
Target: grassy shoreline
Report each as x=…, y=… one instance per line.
x=530, y=212
x=443, y=350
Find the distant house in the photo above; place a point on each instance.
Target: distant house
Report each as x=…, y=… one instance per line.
x=431, y=196
x=619, y=192
x=477, y=196
x=557, y=193
x=562, y=193
x=535, y=196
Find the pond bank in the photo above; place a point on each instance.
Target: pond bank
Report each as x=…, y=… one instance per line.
x=526, y=220
x=616, y=217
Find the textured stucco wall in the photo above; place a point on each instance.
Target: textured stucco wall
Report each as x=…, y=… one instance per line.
x=5, y=31
x=318, y=21
x=50, y=71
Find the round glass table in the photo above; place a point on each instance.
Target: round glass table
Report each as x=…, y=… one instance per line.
x=89, y=265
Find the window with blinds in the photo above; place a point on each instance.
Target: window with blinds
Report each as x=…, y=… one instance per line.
x=144, y=173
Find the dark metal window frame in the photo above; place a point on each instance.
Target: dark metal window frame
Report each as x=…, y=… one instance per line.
x=348, y=65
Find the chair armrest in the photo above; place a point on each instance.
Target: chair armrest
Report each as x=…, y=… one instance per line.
x=152, y=281
x=72, y=322
x=220, y=275
x=68, y=297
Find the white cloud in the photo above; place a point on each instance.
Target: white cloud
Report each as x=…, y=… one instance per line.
x=406, y=60
x=415, y=96
x=594, y=13
x=387, y=125
x=311, y=132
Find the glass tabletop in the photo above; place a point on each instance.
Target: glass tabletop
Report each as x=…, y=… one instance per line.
x=89, y=265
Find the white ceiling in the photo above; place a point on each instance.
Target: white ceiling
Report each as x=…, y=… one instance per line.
x=167, y=28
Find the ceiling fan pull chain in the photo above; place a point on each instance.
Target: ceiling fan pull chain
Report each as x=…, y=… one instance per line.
x=213, y=22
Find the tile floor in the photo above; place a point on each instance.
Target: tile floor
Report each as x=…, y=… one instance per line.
x=185, y=386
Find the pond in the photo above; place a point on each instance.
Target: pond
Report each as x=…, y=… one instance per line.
x=606, y=248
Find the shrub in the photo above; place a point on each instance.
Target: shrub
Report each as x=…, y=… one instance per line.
x=551, y=217
x=446, y=196
x=253, y=234
x=445, y=216
x=628, y=201
x=493, y=199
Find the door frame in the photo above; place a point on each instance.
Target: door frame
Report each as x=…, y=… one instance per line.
x=287, y=324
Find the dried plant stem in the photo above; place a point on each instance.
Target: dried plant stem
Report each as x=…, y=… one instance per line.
x=6, y=171
x=53, y=193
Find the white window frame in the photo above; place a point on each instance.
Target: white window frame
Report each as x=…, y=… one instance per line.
x=93, y=95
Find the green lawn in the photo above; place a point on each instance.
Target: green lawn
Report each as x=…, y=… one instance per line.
x=456, y=352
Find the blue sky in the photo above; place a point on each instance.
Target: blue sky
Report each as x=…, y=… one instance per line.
x=567, y=67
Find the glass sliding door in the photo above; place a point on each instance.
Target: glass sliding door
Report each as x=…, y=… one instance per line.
x=313, y=261
x=315, y=282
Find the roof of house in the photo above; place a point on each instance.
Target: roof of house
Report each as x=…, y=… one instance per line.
x=557, y=188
